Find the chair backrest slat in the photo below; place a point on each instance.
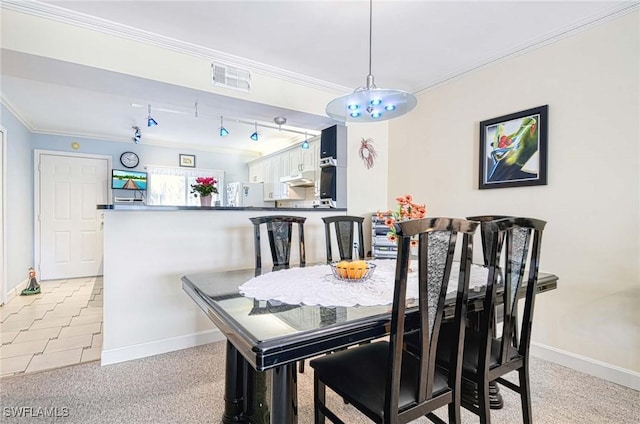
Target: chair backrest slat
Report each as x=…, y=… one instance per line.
x=345, y=227
x=279, y=229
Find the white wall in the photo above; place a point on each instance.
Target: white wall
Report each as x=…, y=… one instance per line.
x=367, y=188
x=591, y=83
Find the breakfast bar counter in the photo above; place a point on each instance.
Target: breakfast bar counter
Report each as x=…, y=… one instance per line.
x=134, y=206
x=148, y=248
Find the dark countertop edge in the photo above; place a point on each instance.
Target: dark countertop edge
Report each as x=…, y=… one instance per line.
x=128, y=207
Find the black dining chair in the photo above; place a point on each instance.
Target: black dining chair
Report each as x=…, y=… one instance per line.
x=381, y=379
x=345, y=227
x=494, y=348
x=279, y=230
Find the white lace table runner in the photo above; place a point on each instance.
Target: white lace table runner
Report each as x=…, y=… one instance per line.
x=316, y=285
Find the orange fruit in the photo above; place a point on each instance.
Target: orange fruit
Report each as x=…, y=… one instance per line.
x=342, y=269
x=360, y=268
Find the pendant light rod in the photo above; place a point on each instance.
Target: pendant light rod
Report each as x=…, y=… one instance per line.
x=370, y=83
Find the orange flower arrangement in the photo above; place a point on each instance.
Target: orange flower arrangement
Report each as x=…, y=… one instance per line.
x=404, y=211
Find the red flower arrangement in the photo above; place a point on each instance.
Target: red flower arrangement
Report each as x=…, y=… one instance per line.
x=404, y=211
x=204, y=186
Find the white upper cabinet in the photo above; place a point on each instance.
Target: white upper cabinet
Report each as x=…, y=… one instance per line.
x=256, y=172
x=284, y=164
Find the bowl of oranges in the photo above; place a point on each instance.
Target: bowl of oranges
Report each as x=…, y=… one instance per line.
x=352, y=271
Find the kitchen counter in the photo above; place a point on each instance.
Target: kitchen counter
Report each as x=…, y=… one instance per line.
x=137, y=206
x=146, y=312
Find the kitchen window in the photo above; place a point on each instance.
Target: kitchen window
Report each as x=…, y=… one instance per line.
x=171, y=186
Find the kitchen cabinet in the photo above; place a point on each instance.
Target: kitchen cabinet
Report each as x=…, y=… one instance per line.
x=289, y=162
x=267, y=178
x=256, y=172
x=301, y=160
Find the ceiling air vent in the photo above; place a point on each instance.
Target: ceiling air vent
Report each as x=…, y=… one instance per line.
x=231, y=77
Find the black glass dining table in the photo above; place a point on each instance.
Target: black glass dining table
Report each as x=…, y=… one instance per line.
x=265, y=338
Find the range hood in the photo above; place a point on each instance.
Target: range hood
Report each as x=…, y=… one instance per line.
x=302, y=179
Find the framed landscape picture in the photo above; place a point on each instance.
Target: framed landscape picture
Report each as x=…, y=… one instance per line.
x=513, y=149
x=188, y=161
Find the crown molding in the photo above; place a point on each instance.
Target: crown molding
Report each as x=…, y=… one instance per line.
x=536, y=43
x=59, y=14
x=15, y=113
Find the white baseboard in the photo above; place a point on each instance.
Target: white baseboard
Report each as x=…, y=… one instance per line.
x=587, y=365
x=114, y=356
x=17, y=290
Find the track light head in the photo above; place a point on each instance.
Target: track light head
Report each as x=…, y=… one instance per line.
x=137, y=134
x=150, y=121
x=223, y=131
x=254, y=136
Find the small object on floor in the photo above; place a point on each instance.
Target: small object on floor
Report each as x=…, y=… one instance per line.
x=33, y=287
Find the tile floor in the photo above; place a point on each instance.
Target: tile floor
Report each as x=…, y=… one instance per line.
x=60, y=326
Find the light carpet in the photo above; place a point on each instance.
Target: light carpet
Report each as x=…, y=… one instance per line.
x=187, y=386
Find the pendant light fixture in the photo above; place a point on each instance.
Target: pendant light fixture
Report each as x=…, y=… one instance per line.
x=150, y=121
x=369, y=103
x=223, y=130
x=254, y=136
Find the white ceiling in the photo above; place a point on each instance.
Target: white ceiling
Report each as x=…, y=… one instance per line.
x=416, y=45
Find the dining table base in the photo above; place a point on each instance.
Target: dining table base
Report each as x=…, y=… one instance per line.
x=259, y=397
x=470, y=394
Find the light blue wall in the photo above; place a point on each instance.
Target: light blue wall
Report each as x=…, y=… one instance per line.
x=235, y=166
x=19, y=198
x=20, y=146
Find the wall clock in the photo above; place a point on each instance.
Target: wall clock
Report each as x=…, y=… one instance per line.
x=129, y=159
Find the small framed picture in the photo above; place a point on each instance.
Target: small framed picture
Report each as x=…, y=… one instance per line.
x=513, y=149
x=188, y=161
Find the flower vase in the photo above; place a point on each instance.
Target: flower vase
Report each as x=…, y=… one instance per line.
x=205, y=200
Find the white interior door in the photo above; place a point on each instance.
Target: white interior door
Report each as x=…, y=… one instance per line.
x=70, y=187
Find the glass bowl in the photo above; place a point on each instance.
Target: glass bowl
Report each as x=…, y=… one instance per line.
x=352, y=271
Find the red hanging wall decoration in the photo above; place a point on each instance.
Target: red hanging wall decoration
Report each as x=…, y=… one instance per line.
x=367, y=152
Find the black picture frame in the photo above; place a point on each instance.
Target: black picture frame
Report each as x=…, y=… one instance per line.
x=513, y=149
x=187, y=161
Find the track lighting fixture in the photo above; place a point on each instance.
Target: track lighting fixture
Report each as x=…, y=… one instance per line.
x=254, y=136
x=223, y=130
x=150, y=121
x=137, y=135
x=277, y=122
x=305, y=143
